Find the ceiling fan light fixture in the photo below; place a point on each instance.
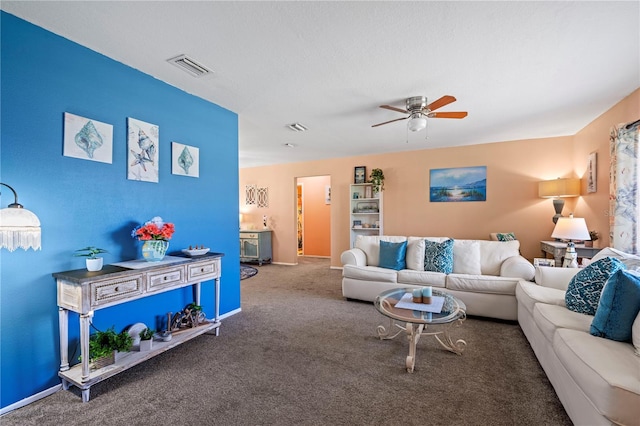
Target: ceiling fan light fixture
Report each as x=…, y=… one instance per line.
x=417, y=123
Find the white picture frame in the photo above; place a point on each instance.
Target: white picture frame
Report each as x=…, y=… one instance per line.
x=541, y=261
x=87, y=139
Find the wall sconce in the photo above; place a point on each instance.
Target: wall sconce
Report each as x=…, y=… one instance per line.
x=19, y=228
x=558, y=189
x=571, y=229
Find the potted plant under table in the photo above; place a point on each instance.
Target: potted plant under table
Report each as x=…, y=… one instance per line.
x=146, y=339
x=103, y=346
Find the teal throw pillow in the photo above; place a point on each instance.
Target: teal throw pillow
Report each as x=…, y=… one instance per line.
x=583, y=292
x=438, y=257
x=508, y=236
x=618, y=308
x=392, y=255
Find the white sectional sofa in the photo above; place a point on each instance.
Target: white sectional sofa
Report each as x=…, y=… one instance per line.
x=596, y=379
x=484, y=277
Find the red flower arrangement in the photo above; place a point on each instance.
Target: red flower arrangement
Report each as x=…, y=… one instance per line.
x=155, y=229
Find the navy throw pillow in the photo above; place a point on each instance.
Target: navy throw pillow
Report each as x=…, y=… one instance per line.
x=438, y=257
x=392, y=255
x=618, y=307
x=583, y=292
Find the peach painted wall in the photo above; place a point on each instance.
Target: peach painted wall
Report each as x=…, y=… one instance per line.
x=594, y=207
x=317, y=216
x=513, y=171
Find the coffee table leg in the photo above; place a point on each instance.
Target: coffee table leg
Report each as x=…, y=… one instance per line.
x=447, y=342
x=414, y=331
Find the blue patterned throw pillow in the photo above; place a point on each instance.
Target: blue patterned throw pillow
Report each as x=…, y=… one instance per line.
x=392, y=255
x=583, y=292
x=438, y=257
x=508, y=236
x=618, y=307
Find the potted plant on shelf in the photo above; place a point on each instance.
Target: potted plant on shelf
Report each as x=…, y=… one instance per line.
x=377, y=179
x=104, y=344
x=146, y=339
x=594, y=237
x=93, y=262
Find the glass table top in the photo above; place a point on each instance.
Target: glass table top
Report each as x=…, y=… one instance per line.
x=452, y=308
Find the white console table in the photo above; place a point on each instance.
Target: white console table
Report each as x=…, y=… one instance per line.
x=84, y=292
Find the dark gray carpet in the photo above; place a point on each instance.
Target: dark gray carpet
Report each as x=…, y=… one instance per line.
x=299, y=354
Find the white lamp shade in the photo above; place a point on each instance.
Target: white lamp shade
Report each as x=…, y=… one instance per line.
x=571, y=228
x=19, y=228
x=417, y=123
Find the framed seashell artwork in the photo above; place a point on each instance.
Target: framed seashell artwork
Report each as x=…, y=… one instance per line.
x=87, y=139
x=143, y=150
x=185, y=160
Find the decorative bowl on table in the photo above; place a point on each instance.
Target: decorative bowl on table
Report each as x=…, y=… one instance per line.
x=195, y=252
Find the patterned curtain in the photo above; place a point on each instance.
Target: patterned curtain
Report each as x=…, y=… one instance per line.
x=624, y=194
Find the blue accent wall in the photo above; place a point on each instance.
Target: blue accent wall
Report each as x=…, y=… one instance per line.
x=83, y=203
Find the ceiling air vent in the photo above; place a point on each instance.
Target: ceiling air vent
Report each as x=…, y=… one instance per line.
x=297, y=127
x=189, y=65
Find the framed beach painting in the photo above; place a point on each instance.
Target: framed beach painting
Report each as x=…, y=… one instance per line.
x=185, y=160
x=87, y=139
x=458, y=184
x=144, y=149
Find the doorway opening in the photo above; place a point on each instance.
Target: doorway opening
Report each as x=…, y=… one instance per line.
x=313, y=216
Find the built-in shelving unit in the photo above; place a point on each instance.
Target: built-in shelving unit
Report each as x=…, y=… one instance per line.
x=365, y=211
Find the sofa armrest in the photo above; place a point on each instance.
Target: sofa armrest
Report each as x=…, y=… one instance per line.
x=354, y=256
x=517, y=267
x=555, y=277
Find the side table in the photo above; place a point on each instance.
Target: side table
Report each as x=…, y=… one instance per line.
x=557, y=249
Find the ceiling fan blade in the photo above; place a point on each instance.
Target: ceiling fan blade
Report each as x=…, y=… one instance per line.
x=445, y=100
x=394, y=109
x=387, y=122
x=457, y=114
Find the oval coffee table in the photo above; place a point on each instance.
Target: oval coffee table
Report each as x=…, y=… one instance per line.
x=453, y=313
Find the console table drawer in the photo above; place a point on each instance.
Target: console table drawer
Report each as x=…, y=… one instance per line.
x=166, y=278
x=203, y=271
x=113, y=290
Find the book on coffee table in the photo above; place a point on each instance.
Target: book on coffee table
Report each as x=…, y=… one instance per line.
x=406, y=302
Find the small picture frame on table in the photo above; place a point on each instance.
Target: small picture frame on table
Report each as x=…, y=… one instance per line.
x=359, y=174
x=539, y=261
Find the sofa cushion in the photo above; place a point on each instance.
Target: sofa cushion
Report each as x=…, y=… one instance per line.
x=415, y=253
x=606, y=371
x=618, y=307
x=370, y=245
x=482, y=284
x=466, y=257
x=370, y=273
x=507, y=236
x=438, y=257
x=408, y=276
x=528, y=294
x=551, y=318
x=583, y=292
x=493, y=253
x=631, y=261
x=392, y=255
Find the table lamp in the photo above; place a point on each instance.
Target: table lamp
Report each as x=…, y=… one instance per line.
x=558, y=189
x=571, y=229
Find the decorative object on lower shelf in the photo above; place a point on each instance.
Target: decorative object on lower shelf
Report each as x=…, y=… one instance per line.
x=191, y=316
x=146, y=339
x=103, y=344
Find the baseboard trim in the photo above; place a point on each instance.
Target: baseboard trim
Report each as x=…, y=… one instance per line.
x=230, y=313
x=336, y=267
x=29, y=400
x=283, y=263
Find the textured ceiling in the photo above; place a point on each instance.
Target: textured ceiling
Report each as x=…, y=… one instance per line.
x=521, y=69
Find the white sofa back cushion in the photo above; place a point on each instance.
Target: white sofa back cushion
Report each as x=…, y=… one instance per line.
x=631, y=261
x=466, y=257
x=493, y=253
x=370, y=245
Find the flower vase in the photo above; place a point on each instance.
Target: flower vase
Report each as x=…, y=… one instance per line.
x=154, y=250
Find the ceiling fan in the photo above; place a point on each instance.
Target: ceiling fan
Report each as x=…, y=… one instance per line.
x=419, y=111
